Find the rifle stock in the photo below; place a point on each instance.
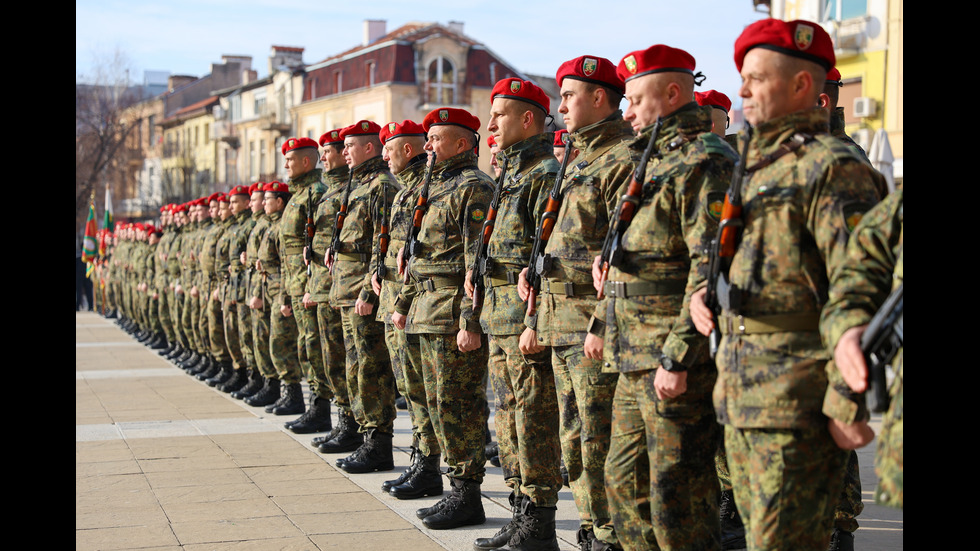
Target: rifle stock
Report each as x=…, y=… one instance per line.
x=421, y=205
x=480, y=268
x=547, y=225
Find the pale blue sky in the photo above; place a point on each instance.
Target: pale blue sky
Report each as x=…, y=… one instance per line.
x=184, y=36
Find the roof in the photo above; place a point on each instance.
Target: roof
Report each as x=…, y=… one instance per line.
x=406, y=34
x=199, y=106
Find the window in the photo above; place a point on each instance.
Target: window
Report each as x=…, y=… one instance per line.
x=442, y=81
x=337, y=82
x=838, y=10
x=369, y=70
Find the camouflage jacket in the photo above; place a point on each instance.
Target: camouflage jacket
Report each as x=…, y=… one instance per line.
x=458, y=199
x=271, y=262
x=531, y=172
x=589, y=195
x=797, y=212
x=239, y=242
x=326, y=221
x=255, y=238
x=190, y=251
x=872, y=269
x=169, y=250
x=374, y=187
x=675, y=222
x=292, y=232
x=206, y=254
x=222, y=262
x=837, y=131
x=400, y=224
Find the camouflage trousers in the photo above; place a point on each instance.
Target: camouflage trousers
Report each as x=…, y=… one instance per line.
x=261, y=336
x=163, y=314
x=370, y=382
x=456, y=391
x=245, y=334
x=334, y=355
x=890, y=456
x=396, y=343
x=585, y=397
x=282, y=345
x=309, y=349
x=660, y=472
x=526, y=419
x=786, y=483
x=216, y=331
x=424, y=432
x=233, y=336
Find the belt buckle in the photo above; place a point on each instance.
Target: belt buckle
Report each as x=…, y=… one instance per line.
x=741, y=324
x=512, y=278
x=616, y=289
x=429, y=284
x=569, y=288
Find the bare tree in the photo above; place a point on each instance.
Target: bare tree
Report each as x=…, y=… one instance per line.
x=106, y=114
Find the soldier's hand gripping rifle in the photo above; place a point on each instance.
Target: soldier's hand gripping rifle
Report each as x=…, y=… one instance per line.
x=310, y=232
x=719, y=295
x=412, y=244
x=481, y=267
x=880, y=343
x=539, y=263
x=612, y=252
x=341, y=216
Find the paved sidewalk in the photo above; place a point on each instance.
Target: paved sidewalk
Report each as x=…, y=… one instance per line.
x=164, y=462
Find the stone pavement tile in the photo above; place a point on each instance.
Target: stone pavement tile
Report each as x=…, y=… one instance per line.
x=178, y=464
x=372, y=521
x=409, y=538
x=353, y=502
x=301, y=543
x=236, y=529
x=306, y=487
x=200, y=477
x=207, y=493
x=96, y=452
x=121, y=490
x=197, y=447
x=278, y=473
x=112, y=515
x=126, y=537
x=91, y=470
x=255, y=507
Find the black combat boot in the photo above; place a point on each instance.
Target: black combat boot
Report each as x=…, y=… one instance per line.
x=170, y=348
x=211, y=371
x=732, y=529
x=585, y=537
x=238, y=379
x=376, y=457
x=317, y=418
x=503, y=536
x=205, y=364
x=463, y=507
x=492, y=451
x=355, y=456
x=255, y=384
x=841, y=540
x=175, y=353
x=160, y=343
x=426, y=480
x=306, y=414
x=387, y=485
x=536, y=531
x=347, y=438
x=227, y=371
x=290, y=402
x=268, y=395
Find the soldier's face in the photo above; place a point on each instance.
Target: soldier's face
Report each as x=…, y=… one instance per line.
x=578, y=105
x=332, y=157
x=213, y=209
x=443, y=142
x=506, y=123
x=394, y=152
x=223, y=210
x=237, y=203
x=272, y=204
x=765, y=92
x=647, y=101
x=255, y=202
x=297, y=164
x=356, y=151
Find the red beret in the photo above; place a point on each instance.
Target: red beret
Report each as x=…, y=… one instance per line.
x=238, y=190
x=361, y=128
x=254, y=187
x=222, y=198
x=715, y=99
x=655, y=59
x=214, y=197
x=450, y=115
x=833, y=77
x=297, y=143
x=151, y=229
x=406, y=128
x=594, y=69
x=802, y=39
x=276, y=187
x=523, y=90
x=331, y=137
x=490, y=141
x=139, y=226
x=560, y=137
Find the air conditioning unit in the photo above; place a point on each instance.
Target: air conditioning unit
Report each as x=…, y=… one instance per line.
x=864, y=107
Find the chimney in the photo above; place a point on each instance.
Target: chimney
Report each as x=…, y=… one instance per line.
x=456, y=26
x=373, y=30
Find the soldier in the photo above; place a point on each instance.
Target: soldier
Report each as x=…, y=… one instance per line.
x=828, y=100
x=660, y=471
x=306, y=186
x=527, y=403
x=591, y=91
x=873, y=268
x=254, y=321
x=354, y=259
x=229, y=247
x=560, y=147
x=336, y=173
x=803, y=190
x=720, y=106
x=453, y=349
x=221, y=359
x=404, y=151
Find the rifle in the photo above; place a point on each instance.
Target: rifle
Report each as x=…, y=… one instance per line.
x=412, y=245
x=880, y=343
x=612, y=254
x=539, y=263
x=383, y=237
x=481, y=266
x=723, y=249
x=341, y=216
x=310, y=232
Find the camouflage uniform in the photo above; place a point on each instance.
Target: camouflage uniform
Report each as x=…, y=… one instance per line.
x=292, y=236
x=195, y=307
x=283, y=331
x=370, y=381
x=786, y=470
x=873, y=268
x=239, y=279
x=229, y=266
x=590, y=193
x=660, y=471
x=455, y=382
x=209, y=259
x=527, y=410
x=258, y=319
x=328, y=317
x=404, y=358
